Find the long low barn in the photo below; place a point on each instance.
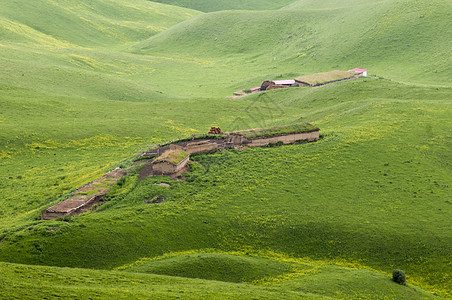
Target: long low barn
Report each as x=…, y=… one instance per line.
x=324, y=78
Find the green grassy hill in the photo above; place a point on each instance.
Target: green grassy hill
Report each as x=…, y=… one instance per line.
x=86, y=85
x=218, y=53
x=86, y=24
x=212, y=266
x=67, y=48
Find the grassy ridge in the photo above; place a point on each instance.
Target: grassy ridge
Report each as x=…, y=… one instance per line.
x=210, y=6
x=306, y=281
x=212, y=266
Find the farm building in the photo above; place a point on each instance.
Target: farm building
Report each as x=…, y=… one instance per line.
x=362, y=72
x=170, y=162
x=281, y=134
x=324, y=78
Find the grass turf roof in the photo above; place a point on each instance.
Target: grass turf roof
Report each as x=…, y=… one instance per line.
x=279, y=130
x=172, y=156
x=321, y=78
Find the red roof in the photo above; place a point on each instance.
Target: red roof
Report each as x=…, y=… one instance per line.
x=358, y=70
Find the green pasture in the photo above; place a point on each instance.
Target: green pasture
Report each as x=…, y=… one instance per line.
x=348, y=197
x=86, y=87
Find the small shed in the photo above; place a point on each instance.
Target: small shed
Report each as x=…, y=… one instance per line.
x=170, y=162
x=363, y=72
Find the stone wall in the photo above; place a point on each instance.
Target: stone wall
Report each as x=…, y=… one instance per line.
x=163, y=168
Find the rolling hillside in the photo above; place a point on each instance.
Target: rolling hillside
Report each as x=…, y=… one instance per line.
x=353, y=186
x=66, y=48
x=220, y=52
x=210, y=6
x=87, y=85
